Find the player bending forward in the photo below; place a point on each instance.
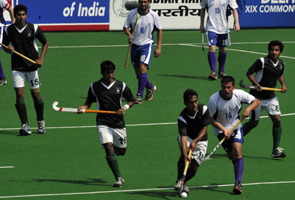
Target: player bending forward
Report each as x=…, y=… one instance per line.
x=108, y=93
x=192, y=127
x=224, y=107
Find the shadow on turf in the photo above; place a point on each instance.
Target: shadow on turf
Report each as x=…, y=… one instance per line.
x=14, y=133
x=244, y=156
x=181, y=76
x=83, y=182
x=156, y=194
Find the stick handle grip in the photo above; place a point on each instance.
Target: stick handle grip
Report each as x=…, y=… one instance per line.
x=272, y=89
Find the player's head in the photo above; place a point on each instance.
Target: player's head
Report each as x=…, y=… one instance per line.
x=107, y=66
x=190, y=98
x=144, y=5
x=227, y=87
x=19, y=8
x=276, y=43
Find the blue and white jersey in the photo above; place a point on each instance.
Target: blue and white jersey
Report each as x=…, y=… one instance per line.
x=3, y=5
x=145, y=27
x=217, y=18
x=226, y=111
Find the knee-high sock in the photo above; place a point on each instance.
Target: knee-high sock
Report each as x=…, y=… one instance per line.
x=190, y=174
x=148, y=84
x=212, y=60
x=221, y=61
x=39, y=107
x=246, y=129
x=142, y=81
x=1, y=71
x=239, y=168
x=113, y=164
x=276, y=134
x=22, y=111
x=180, y=169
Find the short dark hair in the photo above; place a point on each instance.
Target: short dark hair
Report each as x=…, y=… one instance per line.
x=107, y=65
x=188, y=94
x=20, y=7
x=276, y=43
x=228, y=79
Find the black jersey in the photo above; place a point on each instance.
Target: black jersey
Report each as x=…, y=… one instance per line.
x=109, y=98
x=267, y=74
x=192, y=125
x=24, y=42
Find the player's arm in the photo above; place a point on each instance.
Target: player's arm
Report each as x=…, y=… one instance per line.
x=236, y=18
x=10, y=10
x=184, y=148
x=157, y=52
x=127, y=32
x=202, y=134
x=282, y=81
x=252, y=70
x=127, y=94
x=251, y=107
x=202, y=17
x=90, y=98
x=218, y=125
x=40, y=60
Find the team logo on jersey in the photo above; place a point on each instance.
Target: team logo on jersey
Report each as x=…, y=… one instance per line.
x=29, y=35
x=117, y=90
x=149, y=24
x=237, y=107
x=142, y=58
x=142, y=30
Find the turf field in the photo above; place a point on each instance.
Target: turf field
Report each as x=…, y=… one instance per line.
x=68, y=162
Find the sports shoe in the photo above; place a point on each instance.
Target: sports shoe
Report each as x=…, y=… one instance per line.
x=138, y=99
x=185, y=188
x=120, y=181
x=213, y=75
x=149, y=93
x=41, y=127
x=25, y=130
x=278, y=153
x=238, y=188
x=3, y=81
x=177, y=185
x=221, y=74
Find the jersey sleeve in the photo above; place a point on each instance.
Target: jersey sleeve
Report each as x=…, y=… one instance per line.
x=211, y=107
x=182, y=126
x=206, y=118
x=127, y=94
x=40, y=36
x=158, y=23
x=233, y=4
x=90, y=97
x=128, y=21
x=255, y=67
x=246, y=97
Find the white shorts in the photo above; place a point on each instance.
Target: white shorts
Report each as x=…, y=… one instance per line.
x=271, y=106
x=117, y=136
x=20, y=77
x=200, y=151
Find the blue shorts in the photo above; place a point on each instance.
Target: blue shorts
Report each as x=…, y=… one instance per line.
x=237, y=136
x=141, y=54
x=220, y=40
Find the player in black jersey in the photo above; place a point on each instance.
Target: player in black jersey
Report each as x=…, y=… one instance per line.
x=268, y=71
x=192, y=127
x=22, y=35
x=108, y=93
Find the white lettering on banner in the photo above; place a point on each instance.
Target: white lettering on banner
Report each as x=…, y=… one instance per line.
x=93, y=11
x=251, y=9
x=277, y=1
x=277, y=8
x=176, y=1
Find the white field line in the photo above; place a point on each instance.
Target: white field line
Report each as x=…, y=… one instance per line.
x=149, y=124
x=141, y=190
x=6, y=167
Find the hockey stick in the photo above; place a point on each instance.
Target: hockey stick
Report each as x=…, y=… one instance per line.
x=221, y=141
x=21, y=55
x=61, y=109
x=203, y=41
x=255, y=87
x=181, y=189
x=127, y=58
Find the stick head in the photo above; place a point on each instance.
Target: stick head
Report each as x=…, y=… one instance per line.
x=181, y=190
x=54, y=105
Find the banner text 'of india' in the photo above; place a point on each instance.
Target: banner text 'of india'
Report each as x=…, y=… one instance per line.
x=266, y=13
x=68, y=15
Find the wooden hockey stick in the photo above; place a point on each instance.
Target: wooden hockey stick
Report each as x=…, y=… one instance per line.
x=255, y=87
x=21, y=55
x=181, y=189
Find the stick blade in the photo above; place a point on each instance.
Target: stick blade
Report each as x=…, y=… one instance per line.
x=54, y=106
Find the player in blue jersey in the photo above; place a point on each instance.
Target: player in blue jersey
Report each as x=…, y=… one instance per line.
x=268, y=70
x=142, y=45
x=224, y=107
x=217, y=31
x=4, y=5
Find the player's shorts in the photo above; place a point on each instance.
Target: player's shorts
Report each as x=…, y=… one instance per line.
x=220, y=40
x=271, y=106
x=141, y=54
x=200, y=151
x=117, y=136
x=20, y=77
x=237, y=136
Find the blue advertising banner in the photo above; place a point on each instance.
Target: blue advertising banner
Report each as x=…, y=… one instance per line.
x=68, y=15
x=266, y=13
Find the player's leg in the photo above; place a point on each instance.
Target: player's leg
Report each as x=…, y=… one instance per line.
x=19, y=84
x=222, y=42
x=274, y=112
x=3, y=80
x=135, y=58
x=34, y=82
x=212, y=42
x=180, y=163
